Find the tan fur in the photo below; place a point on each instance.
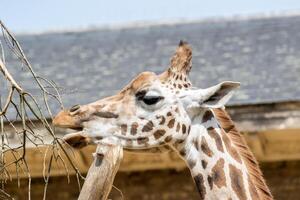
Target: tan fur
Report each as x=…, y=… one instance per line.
x=180, y=64
x=247, y=156
x=141, y=81
x=181, y=60
x=64, y=119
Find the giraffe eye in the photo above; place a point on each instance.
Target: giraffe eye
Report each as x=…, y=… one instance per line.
x=151, y=100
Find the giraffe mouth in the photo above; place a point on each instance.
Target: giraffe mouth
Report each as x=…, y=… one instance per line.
x=67, y=129
x=75, y=128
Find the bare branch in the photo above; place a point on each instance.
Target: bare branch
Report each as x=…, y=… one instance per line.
x=30, y=112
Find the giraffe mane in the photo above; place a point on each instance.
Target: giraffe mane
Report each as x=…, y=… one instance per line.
x=247, y=156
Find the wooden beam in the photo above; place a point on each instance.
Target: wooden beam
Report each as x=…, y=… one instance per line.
x=265, y=117
x=267, y=146
x=275, y=145
x=101, y=174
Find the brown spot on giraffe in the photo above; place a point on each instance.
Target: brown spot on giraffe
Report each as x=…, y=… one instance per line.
x=210, y=181
x=169, y=114
x=171, y=123
x=148, y=127
x=191, y=163
x=200, y=185
x=123, y=129
x=104, y=114
x=204, y=164
x=213, y=133
x=230, y=149
x=159, y=133
x=167, y=147
x=179, y=141
x=162, y=119
x=134, y=127
x=98, y=138
x=183, y=129
x=208, y=115
x=205, y=148
x=189, y=130
x=168, y=138
x=142, y=140
x=129, y=142
x=195, y=143
x=218, y=175
x=237, y=183
x=178, y=127
x=182, y=152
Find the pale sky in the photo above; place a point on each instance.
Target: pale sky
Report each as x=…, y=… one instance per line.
x=43, y=15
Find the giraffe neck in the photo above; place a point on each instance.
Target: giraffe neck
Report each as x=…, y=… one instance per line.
x=215, y=164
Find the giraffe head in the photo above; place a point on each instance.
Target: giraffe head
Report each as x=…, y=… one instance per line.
x=151, y=111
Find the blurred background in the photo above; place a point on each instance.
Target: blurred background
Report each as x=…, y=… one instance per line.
x=92, y=48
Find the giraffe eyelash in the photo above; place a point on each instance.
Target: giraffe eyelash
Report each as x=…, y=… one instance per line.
x=148, y=100
x=151, y=100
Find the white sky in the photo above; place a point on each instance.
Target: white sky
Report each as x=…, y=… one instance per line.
x=43, y=15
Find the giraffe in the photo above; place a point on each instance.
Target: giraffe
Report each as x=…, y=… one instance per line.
x=161, y=112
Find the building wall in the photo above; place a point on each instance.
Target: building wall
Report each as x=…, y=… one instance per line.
x=282, y=177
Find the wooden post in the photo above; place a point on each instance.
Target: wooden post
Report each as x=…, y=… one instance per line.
x=101, y=174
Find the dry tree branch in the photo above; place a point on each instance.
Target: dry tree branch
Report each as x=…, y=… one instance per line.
x=29, y=110
x=4, y=195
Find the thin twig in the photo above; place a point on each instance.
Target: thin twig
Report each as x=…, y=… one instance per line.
x=24, y=105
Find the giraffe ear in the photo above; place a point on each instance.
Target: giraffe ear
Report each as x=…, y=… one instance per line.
x=217, y=96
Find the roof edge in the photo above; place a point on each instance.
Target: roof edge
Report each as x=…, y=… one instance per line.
x=283, y=102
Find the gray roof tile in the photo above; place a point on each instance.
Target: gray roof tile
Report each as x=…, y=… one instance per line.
x=263, y=54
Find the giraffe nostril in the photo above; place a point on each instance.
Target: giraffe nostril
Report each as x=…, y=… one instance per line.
x=74, y=108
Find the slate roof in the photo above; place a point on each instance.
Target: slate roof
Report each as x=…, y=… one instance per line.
x=262, y=53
